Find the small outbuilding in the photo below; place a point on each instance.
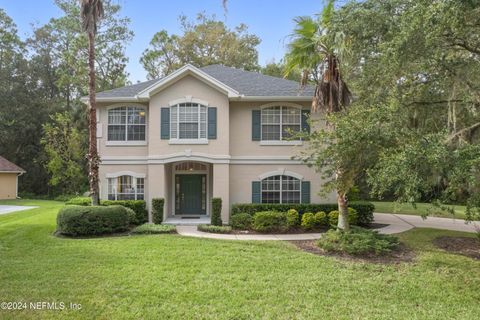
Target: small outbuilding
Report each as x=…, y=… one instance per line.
x=9, y=173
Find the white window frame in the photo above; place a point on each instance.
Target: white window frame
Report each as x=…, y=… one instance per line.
x=135, y=176
x=281, y=187
x=127, y=142
x=175, y=124
x=281, y=141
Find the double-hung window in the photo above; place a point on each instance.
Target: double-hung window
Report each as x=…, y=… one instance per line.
x=126, y=124
x=280, y=189
x=280, y=123
x=126, y=188
x=188, y=121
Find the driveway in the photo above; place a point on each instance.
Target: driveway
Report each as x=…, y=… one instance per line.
x=9, y=209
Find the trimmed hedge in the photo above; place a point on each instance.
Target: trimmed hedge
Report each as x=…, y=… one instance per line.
x=139, y=206
x=214, y=229
x=157, y=210
x=270, y=221
x=92, y=220
x=217, y=211
x=150, y=228
x=364, y=209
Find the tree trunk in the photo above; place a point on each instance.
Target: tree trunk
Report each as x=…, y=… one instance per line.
x=342, y=212
x=92, y=156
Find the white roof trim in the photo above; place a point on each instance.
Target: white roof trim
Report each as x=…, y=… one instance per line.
x=272, y=98
x=188, y=69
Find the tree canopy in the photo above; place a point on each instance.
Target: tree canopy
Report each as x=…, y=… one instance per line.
x=204, y=41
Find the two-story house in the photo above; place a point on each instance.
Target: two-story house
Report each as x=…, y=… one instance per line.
x=200, y=133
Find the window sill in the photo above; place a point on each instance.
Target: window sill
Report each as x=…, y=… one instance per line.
x=125, y=143
x=280, y=143
x=188, y=141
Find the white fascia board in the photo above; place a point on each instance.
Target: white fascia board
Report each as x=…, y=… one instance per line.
x=115, y=99
x=272, y=98
x=187, y=69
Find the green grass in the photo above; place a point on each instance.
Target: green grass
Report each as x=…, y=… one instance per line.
x=175, y=277
x=420, y=209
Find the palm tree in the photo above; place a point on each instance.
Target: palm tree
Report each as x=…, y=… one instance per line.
x=91, y=12
x=315, y=50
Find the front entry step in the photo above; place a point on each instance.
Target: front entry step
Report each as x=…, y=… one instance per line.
x=187, y=221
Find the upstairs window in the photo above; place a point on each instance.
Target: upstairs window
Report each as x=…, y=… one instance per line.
x=126, y=124
x=280, y=123
x=188, y=121
x=280, y=189
x=126, y=188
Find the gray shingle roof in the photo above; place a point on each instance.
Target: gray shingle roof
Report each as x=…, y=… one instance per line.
x=245, y=82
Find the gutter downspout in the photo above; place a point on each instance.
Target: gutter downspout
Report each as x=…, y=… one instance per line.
x=16, y=192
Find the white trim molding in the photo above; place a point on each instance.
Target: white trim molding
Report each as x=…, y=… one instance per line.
x=188, y=155
x=125, y=173
x=188, y=99
x=280, y=172
x=188, y=141
x=281, y=143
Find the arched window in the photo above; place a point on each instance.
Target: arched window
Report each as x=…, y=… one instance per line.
x=126, y=124
x=280, y=122
x=281, y=189
x=126, y=188
x=188, y=121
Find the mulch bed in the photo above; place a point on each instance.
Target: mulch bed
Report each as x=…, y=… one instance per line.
x=469, y=247
x=401, y=254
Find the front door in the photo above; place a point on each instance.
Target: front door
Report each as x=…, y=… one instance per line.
x=190, y=194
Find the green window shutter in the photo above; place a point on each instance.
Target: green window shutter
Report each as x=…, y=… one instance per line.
x=256, y=192
x=212, y=123
x=305, y=124
x=165, y=123
x=256, y=125
x=305, y=191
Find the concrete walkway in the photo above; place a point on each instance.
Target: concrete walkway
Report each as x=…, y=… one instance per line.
x=4, y=209
x=397, y=223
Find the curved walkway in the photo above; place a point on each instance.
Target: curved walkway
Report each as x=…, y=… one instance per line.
x=397, y=223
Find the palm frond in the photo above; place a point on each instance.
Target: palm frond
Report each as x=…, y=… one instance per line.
x=91, y=11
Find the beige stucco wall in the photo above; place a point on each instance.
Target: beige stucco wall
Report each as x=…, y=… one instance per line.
x=8, y=185
x=196, y=89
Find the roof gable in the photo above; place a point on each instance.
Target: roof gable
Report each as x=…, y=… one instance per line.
x=7, y=166
x=181, y=73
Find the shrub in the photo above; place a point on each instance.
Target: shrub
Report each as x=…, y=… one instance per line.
x=150, y=228
x=293, y=218
x=216, y=211
x=80, y=201
x=132, y=217
x=139, y=206
x=308, y=221
x=358, y=241
x=65, y=197
x=157, y=210
x=214, y=229
x=92, y=220
x=241, y=221
x=270, y=221
x=364, y=209
x=321, y=219
x=352, y=217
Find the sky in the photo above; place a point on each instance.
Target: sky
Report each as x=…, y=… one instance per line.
x=271, y=20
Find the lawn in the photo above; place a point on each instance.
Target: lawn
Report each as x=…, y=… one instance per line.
x=420, y=209
x=169, y=276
